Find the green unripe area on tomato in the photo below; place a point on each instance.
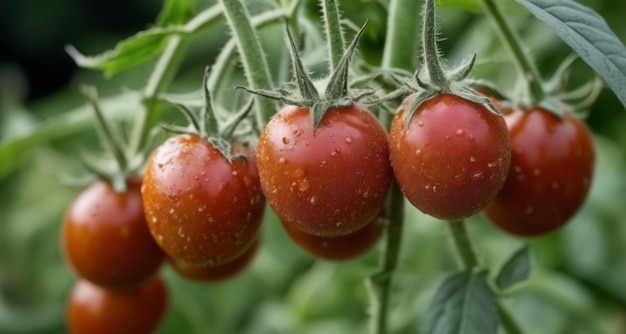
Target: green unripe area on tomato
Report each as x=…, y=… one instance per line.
x=328, y=181
x=200, y=208
x=453, y=157
x=92, y=309
x=219, y=273
x=552, y=165
x=106, y=239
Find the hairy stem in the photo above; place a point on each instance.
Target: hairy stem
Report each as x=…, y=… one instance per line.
x=401, y=43
x=522, y=61
x=252, y=56
x=379, y=283
x=334, y=33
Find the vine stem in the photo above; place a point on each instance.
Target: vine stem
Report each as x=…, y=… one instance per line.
x=401, y=45
x=252, y=57
x=470, y=262
x=522, y=61
x=379, y=283
x=334, y=32
x=163, y=74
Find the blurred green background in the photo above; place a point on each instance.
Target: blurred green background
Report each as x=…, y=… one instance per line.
x=579, y=282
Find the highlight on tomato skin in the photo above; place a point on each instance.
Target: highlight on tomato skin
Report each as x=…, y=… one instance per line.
x=92, y=309
x=341, y=248
x=218, y=273
x=105, y=237
x=328, y=181
x=552, y=167
x=452, y=158
x=200, y=208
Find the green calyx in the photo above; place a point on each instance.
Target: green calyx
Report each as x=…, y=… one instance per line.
x=336, y=93
x=433, y=78
x=204, y=123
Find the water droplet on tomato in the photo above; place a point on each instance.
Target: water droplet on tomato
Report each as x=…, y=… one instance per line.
x=348, y=140
x=285, y=140
x=281, y=161
x=420, y=124
x=460, y=132
x=303, y=185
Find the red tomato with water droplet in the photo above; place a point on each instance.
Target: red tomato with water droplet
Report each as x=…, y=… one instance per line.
x=452, y=158
x=201, y=209
x=328, y=181
x=106, y=239
x=552, y=165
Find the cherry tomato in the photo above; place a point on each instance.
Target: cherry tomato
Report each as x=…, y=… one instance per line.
x=93, y=309
x=341, y=248
x=552, y=164
x=328, y=181
x=219, y=273
x=453, y=157
x=106, y=238
x=200, y=208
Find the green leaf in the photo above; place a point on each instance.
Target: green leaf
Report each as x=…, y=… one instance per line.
x=175, y=12
x=462, y=304
x=516, y=269
x=130, y=52
x=587, y=33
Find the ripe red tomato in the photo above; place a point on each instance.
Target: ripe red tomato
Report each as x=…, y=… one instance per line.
x=106, y=238
x=219, y=273
x=552, y=164
x=329, y=181
x=200, y=208
x=453, y=157
x=93, y=309
x=341, y=248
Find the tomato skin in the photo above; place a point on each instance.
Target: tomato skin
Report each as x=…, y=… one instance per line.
x=552, y=165
x=219, y=273
x=453, y=157
x=92, y=309
x=106, y=239
x=201, y=209
x=329, y=181
x=341, y=248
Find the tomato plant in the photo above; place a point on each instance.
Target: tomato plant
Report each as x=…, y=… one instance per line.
x=452, y=158
x=552, y=166
x=92, y=309
x=220, y=272
x=106, y=239
x=201, y=208
x=328, y=181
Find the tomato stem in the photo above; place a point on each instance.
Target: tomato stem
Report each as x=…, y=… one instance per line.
x=379, y=283
x=470, y=261
x=252, y=57
x=522, y=61
x=400, y=42
x=432, y=58
x=334, y=33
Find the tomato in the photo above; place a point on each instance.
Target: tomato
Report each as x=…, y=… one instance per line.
x=452, y=158
x=200, y=208
x=219, y=273
x=106, y=238
x=341, y=248
x=93, y=309
x=552, y=165
x=328, y=181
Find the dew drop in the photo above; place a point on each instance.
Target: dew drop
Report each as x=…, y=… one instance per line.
x=418, y=151
x=472, y=159
x=420, y=124
x=171, y=211
x=470, y=137
x=460, y=132
x=303, y=185
x=491, y=164
x=285, y=140
x=234, y=173
x=281, y=161
x=348, y=140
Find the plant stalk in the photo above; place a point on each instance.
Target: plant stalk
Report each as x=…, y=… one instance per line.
x=522, y=61
x=379, y=283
